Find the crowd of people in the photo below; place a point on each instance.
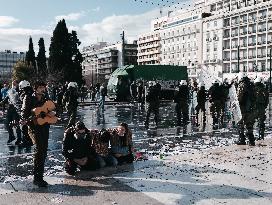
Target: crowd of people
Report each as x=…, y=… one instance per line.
x=92, y=149
x=82, y=148
x=253, y=99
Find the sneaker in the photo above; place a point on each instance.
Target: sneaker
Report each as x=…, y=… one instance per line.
x=260, y=138
x=40, y=183
x=11, y=139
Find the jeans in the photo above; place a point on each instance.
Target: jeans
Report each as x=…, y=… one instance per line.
x=102, y=102
x=108, y=160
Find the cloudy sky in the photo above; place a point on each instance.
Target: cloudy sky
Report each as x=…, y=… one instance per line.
x=93, y=19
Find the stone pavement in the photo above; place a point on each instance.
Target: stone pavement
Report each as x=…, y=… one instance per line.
x=224, y=175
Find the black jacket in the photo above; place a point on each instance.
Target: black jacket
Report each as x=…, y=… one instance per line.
x=77, y=147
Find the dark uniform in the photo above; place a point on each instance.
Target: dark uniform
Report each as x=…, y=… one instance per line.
x=70, y=100
x=133, y=90
x=140, y=93
x=181, y=98
x=224, y=97
x=39, y=135
x=246, y=99
x=215, y=94
x=262, y=101
x=153, y=102
x=201, y=100
x=78, y=147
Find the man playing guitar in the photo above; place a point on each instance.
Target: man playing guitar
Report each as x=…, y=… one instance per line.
x=39, y=134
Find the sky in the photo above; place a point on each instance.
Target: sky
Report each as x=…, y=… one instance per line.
x=94, y=20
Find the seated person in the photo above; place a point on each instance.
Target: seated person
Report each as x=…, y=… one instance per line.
x=78, y=150
x=101, y=145
x=121, y=144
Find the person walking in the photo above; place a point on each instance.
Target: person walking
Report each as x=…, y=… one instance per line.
x=181, y=98
x=262, y=101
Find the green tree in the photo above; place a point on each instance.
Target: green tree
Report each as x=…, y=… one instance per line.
x=30, y=55
x=41, y=60
x=23, y=71
x=76, y=58
x=60, y=55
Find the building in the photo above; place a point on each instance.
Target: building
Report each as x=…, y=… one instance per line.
x=223, y=36
x=247, y=36
x=149, y=48
x=90, y=62
x=212, y=44
x=7, y=60
x=175, y=39
x=101, y=60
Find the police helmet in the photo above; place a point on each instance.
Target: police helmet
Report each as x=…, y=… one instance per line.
x=150, y=83
x=183, y=82
x=72, y=85
x=23, y=84
x=258, y=80
x=241, y=75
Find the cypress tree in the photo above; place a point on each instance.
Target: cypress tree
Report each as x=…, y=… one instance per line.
x=60, y=57
x=76, y=57
x=41, y=60
x=30, y=55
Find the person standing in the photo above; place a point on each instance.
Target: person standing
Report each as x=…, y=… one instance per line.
x=262, y=101
x=13, y=117
x=246, y=98
x=153, y=102
x=70, y=101
x=215, y=94
x=25, y=89
x=201, y=101
x=133, y=91
x=103, y=94
x=39, y=134
x=181, y=98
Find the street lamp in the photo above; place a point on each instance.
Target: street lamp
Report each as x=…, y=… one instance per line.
x=270, y=71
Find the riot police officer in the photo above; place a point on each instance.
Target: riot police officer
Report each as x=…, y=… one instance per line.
x=201, y=100
x=262, y=101
x=246, y=98
x=181, y=98
x=215, y=95
x=153, y=101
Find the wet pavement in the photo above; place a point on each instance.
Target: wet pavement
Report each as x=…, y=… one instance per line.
x=185, y=165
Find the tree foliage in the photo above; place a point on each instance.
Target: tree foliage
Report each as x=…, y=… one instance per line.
x=23, y=71
x=30, y=55
x=64, y=55
x=41, y=60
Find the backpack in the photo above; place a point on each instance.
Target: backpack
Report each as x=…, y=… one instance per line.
x=261, y=94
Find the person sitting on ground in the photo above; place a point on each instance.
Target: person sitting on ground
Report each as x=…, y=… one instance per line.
x=100, y=143
x=77, y=149
x=121, y=144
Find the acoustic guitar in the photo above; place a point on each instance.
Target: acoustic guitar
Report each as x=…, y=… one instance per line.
x=45, y=114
